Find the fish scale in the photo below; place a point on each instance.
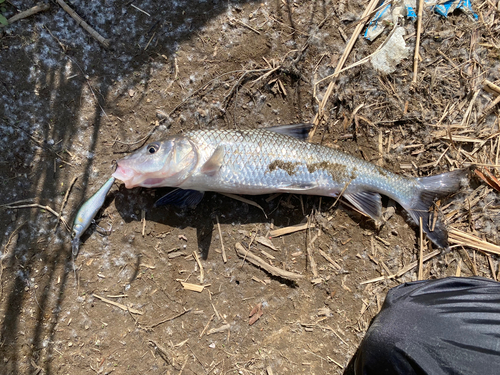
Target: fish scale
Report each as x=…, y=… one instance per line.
x=261, y=161
x=248, y=155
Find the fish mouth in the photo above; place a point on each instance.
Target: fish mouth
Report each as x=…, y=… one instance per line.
x=125, y=174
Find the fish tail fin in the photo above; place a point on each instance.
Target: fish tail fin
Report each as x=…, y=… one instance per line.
x=431, y=188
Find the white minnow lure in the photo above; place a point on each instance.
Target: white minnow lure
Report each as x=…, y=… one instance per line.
x=86, y=214
x=263, y=161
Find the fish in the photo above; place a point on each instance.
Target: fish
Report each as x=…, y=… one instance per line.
x=279, y=159
x=86, y=214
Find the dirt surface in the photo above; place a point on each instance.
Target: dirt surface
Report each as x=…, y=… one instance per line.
x=70, y=107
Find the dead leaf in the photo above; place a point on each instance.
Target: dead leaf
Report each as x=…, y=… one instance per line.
x=489, y=178
x=255, y=314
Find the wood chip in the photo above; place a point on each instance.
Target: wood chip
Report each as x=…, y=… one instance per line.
x=290, y=229
x=266, y=242
x=193, y=287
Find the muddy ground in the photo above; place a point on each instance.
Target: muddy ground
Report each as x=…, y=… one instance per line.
x=70, y=107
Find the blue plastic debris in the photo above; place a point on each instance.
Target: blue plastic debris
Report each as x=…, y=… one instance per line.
x=391, y=11
x=447, y=7
x=378, y=22
x=389, y=14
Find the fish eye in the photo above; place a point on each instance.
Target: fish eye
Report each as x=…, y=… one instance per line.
x=153, y=147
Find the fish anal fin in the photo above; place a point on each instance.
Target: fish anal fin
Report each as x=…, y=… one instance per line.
x=368, y=202
x=299, y=131
x=181, y=198
x=213, y=164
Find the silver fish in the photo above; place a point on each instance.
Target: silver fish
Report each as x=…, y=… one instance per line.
x=86, y=214
x=268, y=160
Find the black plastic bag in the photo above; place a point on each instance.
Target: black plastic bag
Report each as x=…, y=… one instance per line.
x=446, y=326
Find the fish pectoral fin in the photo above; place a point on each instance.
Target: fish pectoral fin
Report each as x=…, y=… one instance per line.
x=297, y=187
x=368, y=202
x=299, y=131
x=181, y=198
x=213, y=164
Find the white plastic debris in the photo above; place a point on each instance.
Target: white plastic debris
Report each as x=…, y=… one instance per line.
x=389, y=15
x=392, y=52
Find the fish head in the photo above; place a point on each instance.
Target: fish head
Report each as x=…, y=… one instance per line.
x=162, y=163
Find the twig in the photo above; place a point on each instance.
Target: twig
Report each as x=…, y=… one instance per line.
x=140, y=10
x=88, y=83
x=417, y=43
x=224, y=257
x=421, y=253
x=491, y=87
x=119, y=305
x=5, y=252
x=489, y=109
x=184, y=365
x=310, y=257
x=250, y=244
x=105, y=42
x=329, y=259
x=364, y=60
x=245, y=25
x=341, y=193
x=339, y=66
x=404, y=270
x=469, y=109
x=65, y=200
x=169, y=319
x=143, y=219
x=161, y=351
x=202, y=272
x=27, y=13
x=467, y=239
x=254, y=259
x=143, y=139
x=36, y=205
x=206, y=325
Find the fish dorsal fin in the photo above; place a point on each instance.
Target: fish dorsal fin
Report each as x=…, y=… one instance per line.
x=368, y=202
x=299, y=131
x=213, y=164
